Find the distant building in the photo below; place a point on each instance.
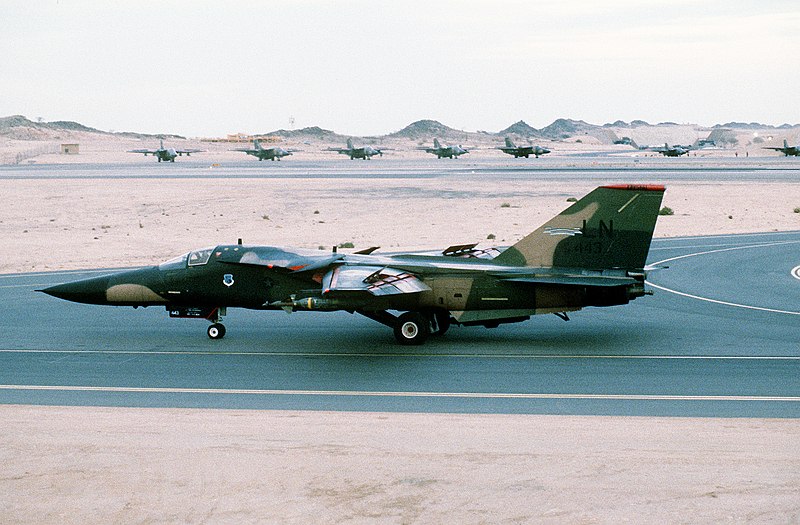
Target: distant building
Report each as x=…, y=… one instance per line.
x=69, y=149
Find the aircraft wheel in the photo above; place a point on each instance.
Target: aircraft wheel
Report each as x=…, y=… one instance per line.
x=411, y=328
x=216, y=331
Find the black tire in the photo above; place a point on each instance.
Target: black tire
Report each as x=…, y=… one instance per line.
x=216, y=331
x=412, y=328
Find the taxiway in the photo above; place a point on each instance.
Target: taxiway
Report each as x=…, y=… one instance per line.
x=721, y=337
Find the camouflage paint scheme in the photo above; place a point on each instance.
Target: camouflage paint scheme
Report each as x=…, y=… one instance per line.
x=523, y=151
x=591, y=254
x=363, y=152
x=165, y=154
x=672, y=151
x=262, y=153
x=449, y=152
x=787, y=150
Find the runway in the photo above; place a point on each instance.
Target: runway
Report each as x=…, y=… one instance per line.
x=720, y=338
x=591, y=168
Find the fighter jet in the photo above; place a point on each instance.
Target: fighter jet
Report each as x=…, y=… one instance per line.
x=672, y=151
x=523, y=151
x=165, y=154
x=265, y=153
x=788, y=150
x=364, y=152
x=445, y=151
x=592, y=254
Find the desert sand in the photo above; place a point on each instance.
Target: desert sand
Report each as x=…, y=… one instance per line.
x=77, y=465
x=70, y=224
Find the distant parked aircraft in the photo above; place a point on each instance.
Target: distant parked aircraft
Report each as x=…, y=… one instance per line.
x=265, y=153
x=672, y=151
x=523, y=151
x=788, y=150
x=445, y=151
x=363, y=152
x=165, y=154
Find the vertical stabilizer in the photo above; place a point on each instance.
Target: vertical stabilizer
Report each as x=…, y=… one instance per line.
x=349, y=143
x=509, y=144
x=436, y=144
x=611, y=227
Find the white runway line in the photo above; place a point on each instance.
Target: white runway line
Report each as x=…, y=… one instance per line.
x=192, y=353
x=727, y=303
x=360, y=393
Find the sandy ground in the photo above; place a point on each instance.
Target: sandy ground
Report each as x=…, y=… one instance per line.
x=77, y=465
x=68, y=224
x=69, y=465
x=111, y=149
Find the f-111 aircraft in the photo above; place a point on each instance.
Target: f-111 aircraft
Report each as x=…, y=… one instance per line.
x=262, y=153
x=523, y=151
x=591, y=254
x=363, y=152
x=440, y=151
x=788, y=150
x=165, y=154
x=672, y=151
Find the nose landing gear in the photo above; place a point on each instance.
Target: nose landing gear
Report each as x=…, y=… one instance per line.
x=216, y=331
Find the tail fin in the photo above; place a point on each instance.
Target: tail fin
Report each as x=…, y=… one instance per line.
x=509, y=144
x=257, y=144
x=436, y=144
x=785, y=143
x=349, y=143
x=611, y=227
x=162, y=144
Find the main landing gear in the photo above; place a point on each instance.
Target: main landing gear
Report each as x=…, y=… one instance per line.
x=413, y=328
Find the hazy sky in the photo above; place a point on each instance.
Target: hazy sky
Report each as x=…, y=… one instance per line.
x=371, y=67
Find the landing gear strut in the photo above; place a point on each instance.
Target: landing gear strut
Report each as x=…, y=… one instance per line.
x=412, y=328
x=217, y=329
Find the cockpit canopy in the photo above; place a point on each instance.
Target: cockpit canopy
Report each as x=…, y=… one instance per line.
x=193, y=258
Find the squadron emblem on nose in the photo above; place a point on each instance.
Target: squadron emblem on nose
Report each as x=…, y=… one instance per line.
x=227, y=279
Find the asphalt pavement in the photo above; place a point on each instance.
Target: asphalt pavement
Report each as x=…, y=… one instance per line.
x=720, y=338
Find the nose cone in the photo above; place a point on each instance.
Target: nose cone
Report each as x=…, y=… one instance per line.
x=133, y=288
x=545, y=150
x=89, y=291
